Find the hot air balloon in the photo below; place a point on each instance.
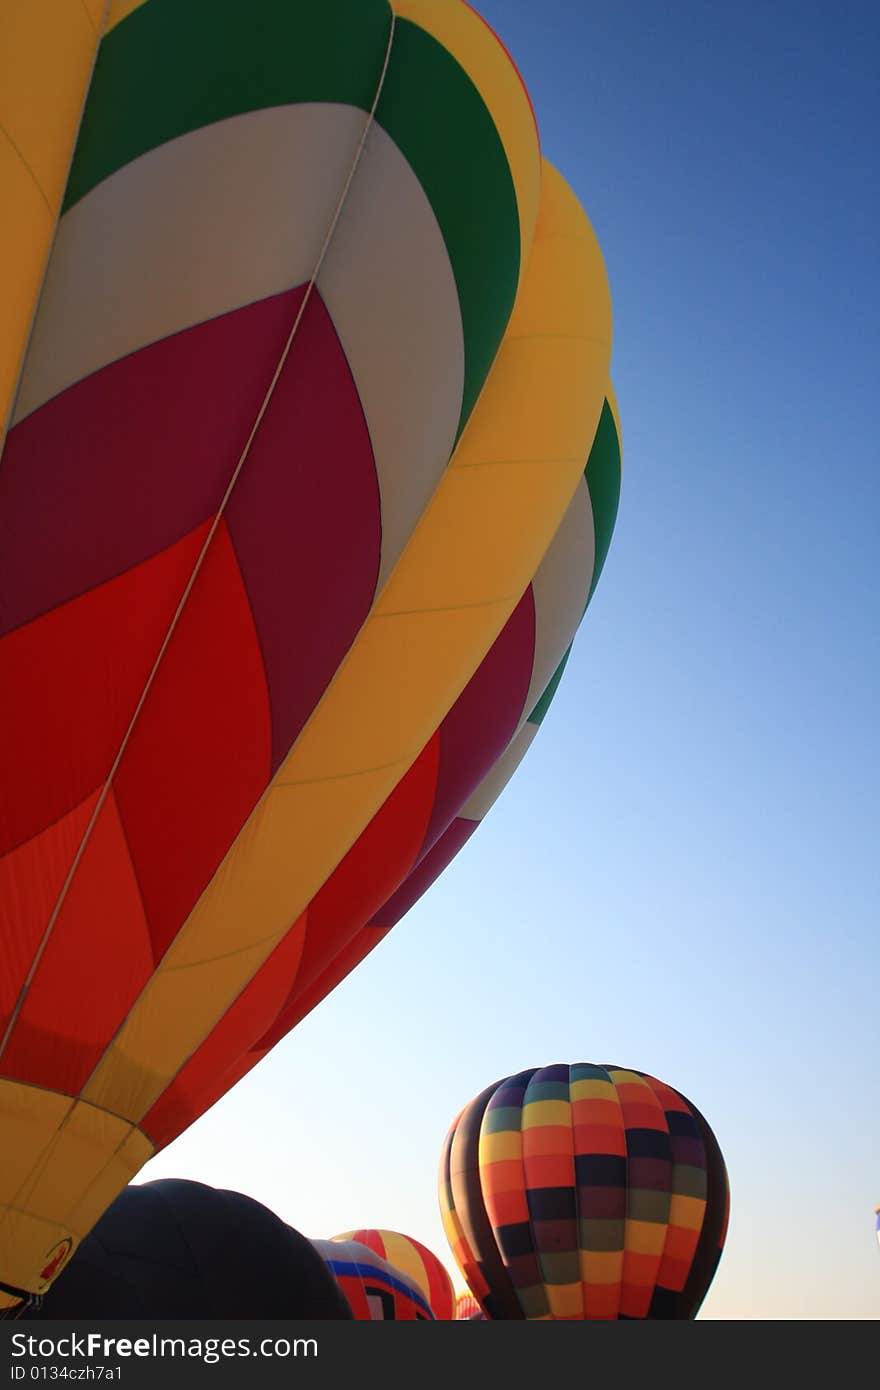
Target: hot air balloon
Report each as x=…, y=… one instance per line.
x=321, y=348
x=180, y=1249
x=376, y=1290
x=584, y=1192
x=416, y=1260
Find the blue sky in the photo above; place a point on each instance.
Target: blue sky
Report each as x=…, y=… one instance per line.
x=683, y=875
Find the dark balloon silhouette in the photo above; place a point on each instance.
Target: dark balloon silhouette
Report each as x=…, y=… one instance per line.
x=180, y=1249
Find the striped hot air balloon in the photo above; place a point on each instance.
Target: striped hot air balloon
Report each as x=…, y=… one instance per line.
x=376, y=1290
x=416, y=1260
x=302, y=353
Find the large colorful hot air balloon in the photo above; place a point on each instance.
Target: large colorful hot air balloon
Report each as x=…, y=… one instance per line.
x=376, y=1290
x=179, y=1249
x=320, y=351
x=581, y=1192
x=416, y=1260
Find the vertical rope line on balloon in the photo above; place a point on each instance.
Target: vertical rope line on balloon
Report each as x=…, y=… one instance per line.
x=218, y=517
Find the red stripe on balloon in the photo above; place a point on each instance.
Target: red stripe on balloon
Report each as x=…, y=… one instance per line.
x=182, y=798
x=69, y=684
x=75, y=1002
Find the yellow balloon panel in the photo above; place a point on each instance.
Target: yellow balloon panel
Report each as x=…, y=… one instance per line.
x=47, y=51
x=69, y=1161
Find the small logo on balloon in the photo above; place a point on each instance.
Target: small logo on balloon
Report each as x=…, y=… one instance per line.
x=57, y=1255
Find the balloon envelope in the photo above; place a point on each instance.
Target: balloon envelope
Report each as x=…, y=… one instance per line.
x=416, y=1260
x=376, y=1290
x=580, y=1192
x=179, y=1249
x=281, y=463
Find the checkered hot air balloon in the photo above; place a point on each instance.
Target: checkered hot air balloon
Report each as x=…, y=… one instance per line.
x=584, y=1192
x=304, y=348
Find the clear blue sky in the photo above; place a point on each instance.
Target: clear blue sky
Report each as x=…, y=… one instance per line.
x=683, y=876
